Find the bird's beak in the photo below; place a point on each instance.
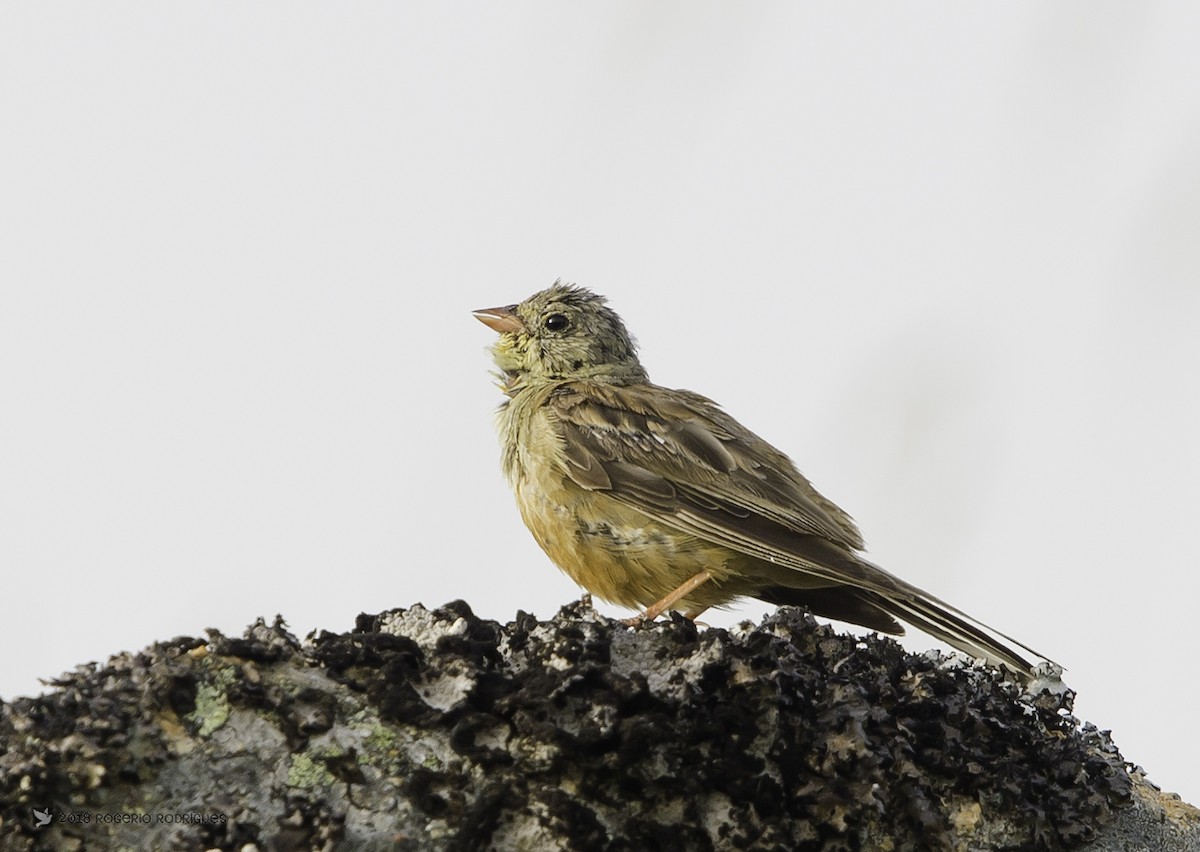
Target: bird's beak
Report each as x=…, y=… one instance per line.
x=500, y=319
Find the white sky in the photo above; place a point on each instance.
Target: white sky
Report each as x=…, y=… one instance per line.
x=947, y=256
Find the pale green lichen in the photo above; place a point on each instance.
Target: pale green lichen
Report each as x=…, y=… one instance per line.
x=212, y=703
x=310, y=769
x=380, y=744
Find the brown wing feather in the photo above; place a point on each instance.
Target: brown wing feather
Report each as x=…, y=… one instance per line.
x=687, y=441
x=677, y=457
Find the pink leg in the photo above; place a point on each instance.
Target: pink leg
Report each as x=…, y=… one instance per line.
x=658, y=608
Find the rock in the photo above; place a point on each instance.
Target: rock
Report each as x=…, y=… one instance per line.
x=439, y=730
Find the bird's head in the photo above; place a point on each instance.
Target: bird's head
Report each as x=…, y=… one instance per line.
x=561, y=333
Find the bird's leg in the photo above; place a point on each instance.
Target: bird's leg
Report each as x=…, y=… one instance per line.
x=659, y=607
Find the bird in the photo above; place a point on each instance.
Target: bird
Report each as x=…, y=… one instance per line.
x=657, y=499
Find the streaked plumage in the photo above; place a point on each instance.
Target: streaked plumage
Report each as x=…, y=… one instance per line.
x=635, y=489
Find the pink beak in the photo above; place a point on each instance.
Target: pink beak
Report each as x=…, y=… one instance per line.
x=500, y=319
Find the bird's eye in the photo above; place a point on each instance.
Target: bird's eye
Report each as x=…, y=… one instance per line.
x=557, y=322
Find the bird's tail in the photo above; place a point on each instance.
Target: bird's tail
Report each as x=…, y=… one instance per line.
x=954, y=627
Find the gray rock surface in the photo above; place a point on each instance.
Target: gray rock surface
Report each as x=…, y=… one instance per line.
x=439, y=730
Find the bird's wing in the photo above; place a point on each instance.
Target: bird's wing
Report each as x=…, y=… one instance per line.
x=677, y=457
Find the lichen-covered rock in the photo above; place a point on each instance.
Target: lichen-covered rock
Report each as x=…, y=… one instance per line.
x=439, y=730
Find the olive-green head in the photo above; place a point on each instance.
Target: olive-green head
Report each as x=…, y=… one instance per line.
x=563, y=332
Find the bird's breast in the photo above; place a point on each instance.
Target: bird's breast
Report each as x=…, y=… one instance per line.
x=615, y=553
